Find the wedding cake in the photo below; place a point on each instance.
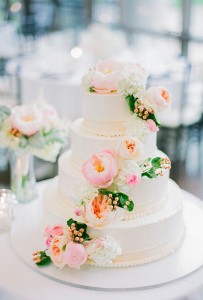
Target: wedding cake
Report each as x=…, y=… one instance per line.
x=113, y=187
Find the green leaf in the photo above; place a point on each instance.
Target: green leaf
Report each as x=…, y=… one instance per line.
x=131, y=102
x=150, y=173
x=130, y=207
x=122, y=198
x=91, y=89
x=70, y=222
x=79, y=226
x=152, y=117
x=64, y=248
x=105, y=192
x=4, y=110
x=156, y=162
x=23, y=141
x=44, y=259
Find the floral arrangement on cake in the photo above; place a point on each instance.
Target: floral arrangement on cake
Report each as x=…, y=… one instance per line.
x=102, y=201
x=129, y=81
x=34, y=128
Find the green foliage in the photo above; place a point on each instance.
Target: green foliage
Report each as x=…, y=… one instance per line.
x=91, y=89
x=155, y=163
x=4, y=113
x=123, y=200
x=44, y=259
x=152, y=117
x=79, y=226
x=131, y=102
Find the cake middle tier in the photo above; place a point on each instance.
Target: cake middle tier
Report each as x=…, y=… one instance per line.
x=149, y=196
x=84, y=145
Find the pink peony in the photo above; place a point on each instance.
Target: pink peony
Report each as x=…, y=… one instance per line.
x=99, y=212
x=75, y=255
x=56, y=250
x=133, y=179
x=159, y=96
x=104, y=76
x=100, y=169
x=152, y=125
x=27, y=119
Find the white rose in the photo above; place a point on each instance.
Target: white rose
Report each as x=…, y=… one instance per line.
x=159, y=96
x=130, y=148
x=103, y=250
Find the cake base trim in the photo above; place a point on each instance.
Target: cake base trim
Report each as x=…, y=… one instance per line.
x=108, y=279
x=146, y=256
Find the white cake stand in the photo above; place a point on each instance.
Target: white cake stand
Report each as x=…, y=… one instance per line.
x=26, y=238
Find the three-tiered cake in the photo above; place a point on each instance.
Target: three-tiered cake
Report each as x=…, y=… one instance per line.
x=114, y=183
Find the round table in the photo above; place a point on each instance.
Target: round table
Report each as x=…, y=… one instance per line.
x=18, y=281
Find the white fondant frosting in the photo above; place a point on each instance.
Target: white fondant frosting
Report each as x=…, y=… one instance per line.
x=155, y=227
x=142, y=240
x=84, y=145
x=148, y=196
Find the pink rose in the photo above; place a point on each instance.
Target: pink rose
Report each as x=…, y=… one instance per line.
x=99, y=212
x=75, y=255
x=47, y=231
x=55, y=230
x=56, y=250
x=48, y=241
x=133, y=179
x=152, y=125
x=27, y=119
x=159, y=96
x=100, y=169
x=104, y=76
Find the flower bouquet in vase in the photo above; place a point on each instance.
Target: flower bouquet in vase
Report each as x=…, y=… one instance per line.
x=27, y=131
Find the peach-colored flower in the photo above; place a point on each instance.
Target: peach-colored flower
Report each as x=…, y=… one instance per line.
x=56, y=250
x=99, y=212
x=130, y=148
x=104, y=76
x=75, y=255
x=100, y=169
x=27, y=119
x=152, y=125
x=159, y=96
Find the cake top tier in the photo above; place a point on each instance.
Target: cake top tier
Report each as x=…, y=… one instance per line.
x=115, y=91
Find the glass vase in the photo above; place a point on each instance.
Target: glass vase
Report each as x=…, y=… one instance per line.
x=23, y=182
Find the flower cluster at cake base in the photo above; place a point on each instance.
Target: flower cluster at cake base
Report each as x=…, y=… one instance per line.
x=72, y=245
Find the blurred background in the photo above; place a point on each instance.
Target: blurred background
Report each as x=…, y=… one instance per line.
x=47, y=45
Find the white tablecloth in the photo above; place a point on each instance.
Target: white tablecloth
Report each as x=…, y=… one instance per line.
x=18, y=281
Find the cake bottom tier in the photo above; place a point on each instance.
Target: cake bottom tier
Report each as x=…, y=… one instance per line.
x=142, y=240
